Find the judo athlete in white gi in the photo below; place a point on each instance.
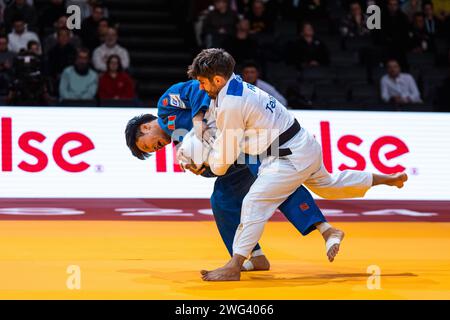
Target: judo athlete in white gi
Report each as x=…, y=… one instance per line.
x=250, y=121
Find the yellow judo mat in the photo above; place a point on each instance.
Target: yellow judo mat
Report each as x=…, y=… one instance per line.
x=161, y=260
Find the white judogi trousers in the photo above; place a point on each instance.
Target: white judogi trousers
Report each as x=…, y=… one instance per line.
x=278, y=178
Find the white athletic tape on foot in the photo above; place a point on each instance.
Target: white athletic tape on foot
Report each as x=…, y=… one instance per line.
x=331, y=242
x=248, y=265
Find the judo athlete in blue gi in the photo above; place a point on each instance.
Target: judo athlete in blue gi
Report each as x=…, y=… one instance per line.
x=177, y=108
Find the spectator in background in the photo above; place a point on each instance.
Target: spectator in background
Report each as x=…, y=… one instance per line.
x=411, y=7
x=398, y=88
x=34, y=47
x=260, y=20
x=242, y=47
x=6, y=64
x=115, y=83
x=355, y=23
x=49, y=14
x=79, y=82
x=18, y=39
x=89, y=28
x=420, y=40
x=52, y=39
x=60, y=56
x=314, y=11
x=110, y=47
x=433, y=25
x=394, y=33
x=250, y=74
x=219, y=25
x=308, y=51
x=20, y=8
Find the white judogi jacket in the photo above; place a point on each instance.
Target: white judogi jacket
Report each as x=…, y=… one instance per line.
x=248, y=120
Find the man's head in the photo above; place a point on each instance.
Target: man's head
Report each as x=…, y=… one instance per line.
x=393, y=68
x=355, y=9
x=428, y=9
x=144, y=136
x=97, y=13
x=63, y=37
x=221, y=5
x=34, y=47
x=250, y=72
x=392, y=6
x=19, y=24
x=82, y=60
x=258, y=8
x=3, y=43
x=307, y=30
x=419, y=21
x=61, y=22
x=212, y=67
x=243, y=26
x=111, y=38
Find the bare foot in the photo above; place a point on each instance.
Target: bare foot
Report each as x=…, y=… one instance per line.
x=397, y=180
x=260, y=263
x=338, y=236
x=225, y=273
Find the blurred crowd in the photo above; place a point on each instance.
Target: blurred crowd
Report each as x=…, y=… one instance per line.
x=43, y=62
x=322, y=51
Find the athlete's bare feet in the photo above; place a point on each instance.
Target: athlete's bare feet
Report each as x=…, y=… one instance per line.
x=395, y=179
x=259, y=263
x=230, y=272
x=333, y=238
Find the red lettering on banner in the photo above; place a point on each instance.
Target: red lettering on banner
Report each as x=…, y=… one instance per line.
x=400, y=149
x=86, y=145
x=41, y=157
x=343, y=148
x=161, y=165
x=6, y=144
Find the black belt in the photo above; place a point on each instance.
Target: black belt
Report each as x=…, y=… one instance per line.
x=283, y=138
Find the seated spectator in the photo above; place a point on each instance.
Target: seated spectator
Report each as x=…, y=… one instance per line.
x=394, y=33
x=115, y=83
x=242, y=47
x=219, y=25
x=51, y=40
x=49, y=14
x=34, y=47
x=18, y=39
x=397, y=87
x=89, y=27
x=102, y=53
x=79, y=82
x=259, y=18
x=433, y=25
x=411, y=7
x=420, y=40
x=6, y=64
x=314, y=11
x=308, y=51
x=61, y=55
x=355, y=23
x=250, y=74
x=20, y=8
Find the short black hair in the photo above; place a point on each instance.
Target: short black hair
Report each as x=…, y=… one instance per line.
x=250, y=64
x=212, y=62
x=133, y=132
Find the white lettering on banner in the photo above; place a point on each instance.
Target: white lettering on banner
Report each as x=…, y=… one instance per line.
x=337, y=213
x=401, y=212
x=40, y=211
x=153, y=212
x=206, y=212
x=44, y=155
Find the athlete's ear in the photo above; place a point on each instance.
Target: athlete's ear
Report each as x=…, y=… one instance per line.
x=219, y=81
